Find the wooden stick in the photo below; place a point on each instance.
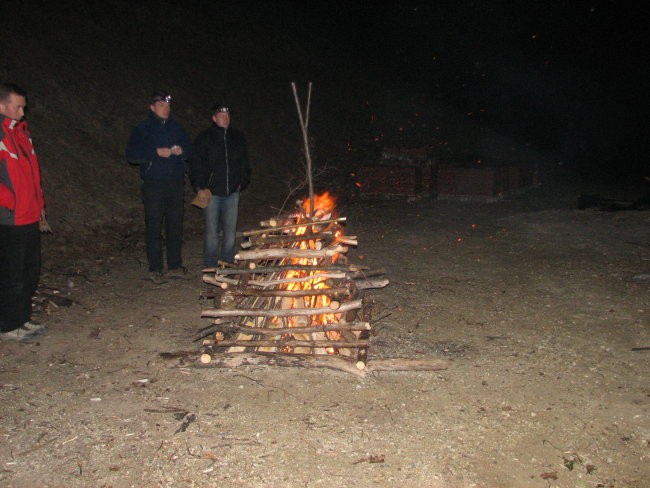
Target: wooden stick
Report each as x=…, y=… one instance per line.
x=282, y=252
x=217, y=280
x=288, y=343
x=338, y=292
x=234, y=360
x=368, y=284
x=231, y=327
x=401, y=364
x=249, y=233
x=352, y=269
x=299, y=279
x=304, y=124
x=352, y=305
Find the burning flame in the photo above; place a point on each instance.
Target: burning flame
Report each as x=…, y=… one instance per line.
x=324, y=207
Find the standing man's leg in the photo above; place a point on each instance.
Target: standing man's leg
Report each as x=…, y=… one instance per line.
x=174, y=224
x=32, y=269
x=211, y=213
x=229, y=215
x=19, y=274
x=152, y=196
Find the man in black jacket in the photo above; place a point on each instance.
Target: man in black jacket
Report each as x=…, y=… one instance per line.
x=160, y=145
x=219, y=170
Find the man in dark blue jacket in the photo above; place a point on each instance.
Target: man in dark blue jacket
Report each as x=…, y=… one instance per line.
x=160, y=145
x=219, y=170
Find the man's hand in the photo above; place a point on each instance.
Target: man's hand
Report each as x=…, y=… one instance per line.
x=164, y=152
x=43, y=226
x=176, y=150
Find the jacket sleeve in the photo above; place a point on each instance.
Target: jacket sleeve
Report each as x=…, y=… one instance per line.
x=245, y=165
x=199, y=164
x=139, y=149
x=7, y=198
x=186, y=144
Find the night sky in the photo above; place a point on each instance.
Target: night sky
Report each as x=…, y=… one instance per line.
x=562, y=81
x=563, y=78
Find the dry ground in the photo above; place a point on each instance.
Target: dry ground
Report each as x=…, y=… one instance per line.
x=537, y=306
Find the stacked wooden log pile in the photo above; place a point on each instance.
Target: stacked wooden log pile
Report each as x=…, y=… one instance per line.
x=292, y=293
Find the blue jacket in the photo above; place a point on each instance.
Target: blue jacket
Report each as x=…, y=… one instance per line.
x=151, y=134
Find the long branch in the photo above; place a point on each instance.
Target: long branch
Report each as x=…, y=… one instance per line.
x=282, y=252
x=267, y=331
x=344, y=307
x=270, y=230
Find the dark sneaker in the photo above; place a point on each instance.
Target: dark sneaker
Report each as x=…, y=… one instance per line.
x=20, y=334
x=35, y=329
x=158, y=277
x=179, y=274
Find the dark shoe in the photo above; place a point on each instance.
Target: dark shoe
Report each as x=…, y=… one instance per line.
x=158, y=277
x=179, y=274
x=21, y=334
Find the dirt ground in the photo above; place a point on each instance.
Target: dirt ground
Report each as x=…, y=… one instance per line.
x=536, y=305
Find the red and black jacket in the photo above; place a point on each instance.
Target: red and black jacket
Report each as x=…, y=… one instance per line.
x=21, y=196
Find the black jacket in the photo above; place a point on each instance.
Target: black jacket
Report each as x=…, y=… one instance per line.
x=153, y=133
x=220, y=161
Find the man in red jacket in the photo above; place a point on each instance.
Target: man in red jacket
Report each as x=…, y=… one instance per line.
x=21, y=210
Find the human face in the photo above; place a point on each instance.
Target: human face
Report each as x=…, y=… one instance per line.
x=13, y=107
x=161, y=108
x=222, y=119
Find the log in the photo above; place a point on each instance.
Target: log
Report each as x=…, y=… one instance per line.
x=352, y=270
x=368, y=284
x=219, y=280
x=289, y=343
x=291, y=253
x=352, y=305
x=339, y=292
x=298, y=279
x=401, y=364
x=234, y=360
x=249, y=233
x=359, y=326
x=366, y=273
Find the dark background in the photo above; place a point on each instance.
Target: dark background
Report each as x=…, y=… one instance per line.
x=558, y=83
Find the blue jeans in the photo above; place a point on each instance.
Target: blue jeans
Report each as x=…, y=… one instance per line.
x=221, y=212
x=163, y=201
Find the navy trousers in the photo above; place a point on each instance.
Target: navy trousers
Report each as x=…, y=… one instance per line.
x=163, y=203
x=20, y=271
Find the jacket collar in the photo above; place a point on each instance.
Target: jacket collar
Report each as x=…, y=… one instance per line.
x=154, y=117
x=8, y=123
